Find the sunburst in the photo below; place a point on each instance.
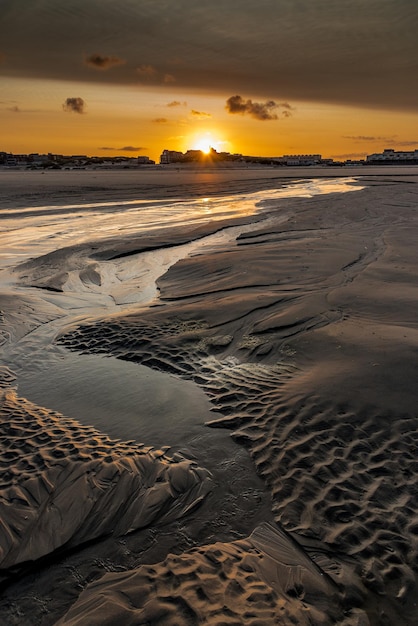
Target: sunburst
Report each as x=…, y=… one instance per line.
x=206, y=142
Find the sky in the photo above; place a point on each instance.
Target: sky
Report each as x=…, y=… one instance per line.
x=256, y=77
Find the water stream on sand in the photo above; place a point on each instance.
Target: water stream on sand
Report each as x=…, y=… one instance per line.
x=115, y=396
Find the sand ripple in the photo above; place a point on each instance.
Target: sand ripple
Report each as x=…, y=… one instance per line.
x=340, y=475
x=304, y=336
x=63, y=484
x=265, y=579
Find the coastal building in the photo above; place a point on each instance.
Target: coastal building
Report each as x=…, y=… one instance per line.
x=393, y=157
x=299, y=159
x=170, y=156
x=144, y=160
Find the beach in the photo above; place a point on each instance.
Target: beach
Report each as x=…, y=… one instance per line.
x=208, y=396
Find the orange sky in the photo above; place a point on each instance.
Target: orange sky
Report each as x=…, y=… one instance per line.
x=264, y=78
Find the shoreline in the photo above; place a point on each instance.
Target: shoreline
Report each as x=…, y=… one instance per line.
x=160, y=184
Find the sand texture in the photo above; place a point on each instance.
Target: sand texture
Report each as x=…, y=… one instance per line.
x=305, y=337
x=64, y=484
x=266, y=579
x=299, y=328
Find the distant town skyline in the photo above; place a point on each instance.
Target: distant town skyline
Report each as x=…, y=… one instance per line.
x=198, y=157
x=269, y=77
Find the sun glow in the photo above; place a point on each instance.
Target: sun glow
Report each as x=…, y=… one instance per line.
x=204, y=146
x=206, y=142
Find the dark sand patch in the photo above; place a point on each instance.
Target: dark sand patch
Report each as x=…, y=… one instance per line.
x=304, y=336
x=123, y=399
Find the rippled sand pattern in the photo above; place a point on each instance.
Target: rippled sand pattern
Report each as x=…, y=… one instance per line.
x=265, y=579
x=347, y=478
x=63, y=484
x=305, y=338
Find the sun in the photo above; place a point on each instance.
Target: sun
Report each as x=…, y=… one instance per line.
x=206, y=142
x=203, y=144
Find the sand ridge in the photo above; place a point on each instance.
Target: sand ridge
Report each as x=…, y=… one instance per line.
x=266, y=578
x=64, y=484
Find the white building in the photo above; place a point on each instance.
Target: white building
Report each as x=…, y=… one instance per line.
x=393, y=156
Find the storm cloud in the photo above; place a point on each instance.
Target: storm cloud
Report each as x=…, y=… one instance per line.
x=74, y=105
x=352, y=52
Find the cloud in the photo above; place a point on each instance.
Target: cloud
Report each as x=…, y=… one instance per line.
x=13, y=107
x=74, y=105
x=350, y=155
x=150, y=74
x=123, y=149
x=146, y=72
x=318, y=52
x=388, y=140
x=371, y=138
x=176, y=103
x=405, y=144
x=160, y=120
x=200, y=114
x=101, y=62
x=259, y=110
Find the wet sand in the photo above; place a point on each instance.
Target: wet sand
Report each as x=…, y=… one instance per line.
x=302, y=334
x=63, y=186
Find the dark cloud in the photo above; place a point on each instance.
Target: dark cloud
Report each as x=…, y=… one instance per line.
x=160, y=120
x=176, y=103
x=14, y=109
x=74, y=105
x=123, y=149
x=101, y=62
x=352, y=52
x=349, y=155
x=259, y=110
x=200, y=114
